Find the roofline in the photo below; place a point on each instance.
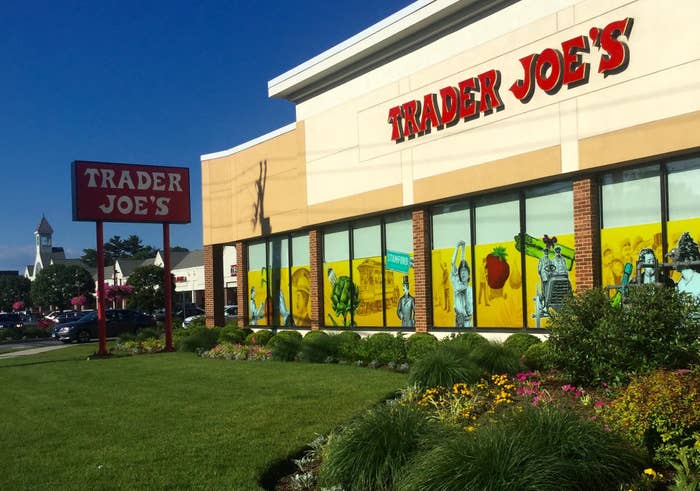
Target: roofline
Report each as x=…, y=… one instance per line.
x=250, y=143
x=415, y=26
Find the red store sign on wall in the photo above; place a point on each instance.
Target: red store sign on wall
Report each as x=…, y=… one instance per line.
x=130, y=193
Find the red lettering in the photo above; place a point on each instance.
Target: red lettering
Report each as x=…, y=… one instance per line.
x=617, y=54
x=524, y=88
x=468, y=107
x=429, y=114
x=395, y=120
x=450, y=100
x=548, y=70
x=410, y=111
x=575, y=72
x=490, y=82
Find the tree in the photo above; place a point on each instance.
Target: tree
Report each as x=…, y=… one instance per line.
x=148, y=289
x=56, y=284
x=129, y=248
x=12, y=289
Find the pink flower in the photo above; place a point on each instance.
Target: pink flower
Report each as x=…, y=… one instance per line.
x=568, y=388
x=599, y=404
x=19, y=305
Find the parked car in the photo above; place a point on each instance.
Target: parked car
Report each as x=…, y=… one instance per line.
x=70, y=315
x=11, y=320
x=230, y=313
x=118, y=321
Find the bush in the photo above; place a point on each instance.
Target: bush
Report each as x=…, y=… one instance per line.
x=147, y=333
x=30, y=332
x=495, y=358
x=656, y=327
x=372, y=452
x=348, y=345
x=125, y=337
x=519, y=342
x=540, y=448
x=443, y=367
x=285, y=345
x=319, y=347
x=231, y=334
x=539, y=356
x=465, y=342
x=419, y=344
x=197, y=339
x=384, y=348
x=197, y=322
x=661, y=413
x=259, y=338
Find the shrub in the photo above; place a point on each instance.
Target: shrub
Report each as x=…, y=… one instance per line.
x=259, y=338
x=384, y=348
x=443, y=367
x=348, y=345
x=595, y=342
x=495, y=358
x=319, y=348
x=465, y=342
x=285, y=345
x=125, y=337
x=147, y=333
x=539, y=356
x=34, y=332
x=519, y=342
x=419, y=344
x=539, y=448
x=230, y=333
x=197, y=339
x=197, y=322
x=661, y=413
x=371, y=452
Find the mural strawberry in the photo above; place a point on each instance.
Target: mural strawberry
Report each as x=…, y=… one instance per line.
x=497, y=267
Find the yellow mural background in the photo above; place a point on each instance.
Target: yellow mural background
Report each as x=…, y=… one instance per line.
x=284, y=289
x=255, y=279
x=340, y=268
x=301, y=294
x=367, y=276
x=443, y=293
x=533, y=279
x=498, y=307
x=621, y=245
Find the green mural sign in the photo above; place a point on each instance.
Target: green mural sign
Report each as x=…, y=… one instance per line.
x=398, y=261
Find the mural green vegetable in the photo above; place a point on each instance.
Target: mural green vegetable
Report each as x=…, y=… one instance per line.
x=345, y=297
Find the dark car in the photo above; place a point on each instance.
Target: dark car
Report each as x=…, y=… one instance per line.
x=118, y=321
x=11, y=320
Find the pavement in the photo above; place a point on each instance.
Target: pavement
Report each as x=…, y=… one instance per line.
x=32, y=347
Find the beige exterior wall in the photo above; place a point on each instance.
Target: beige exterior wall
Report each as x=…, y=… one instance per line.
x=340, y=161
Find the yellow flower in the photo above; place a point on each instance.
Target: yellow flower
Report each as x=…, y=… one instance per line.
x=650, y=472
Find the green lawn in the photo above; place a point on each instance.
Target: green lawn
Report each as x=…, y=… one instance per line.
x=167, y=421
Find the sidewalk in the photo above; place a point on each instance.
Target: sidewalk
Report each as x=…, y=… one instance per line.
x=30, y=348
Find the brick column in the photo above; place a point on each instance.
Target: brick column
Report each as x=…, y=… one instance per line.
x=316, y=272
x=587, y=233
x=422, y=270
x=242, y=283
x=214, y=285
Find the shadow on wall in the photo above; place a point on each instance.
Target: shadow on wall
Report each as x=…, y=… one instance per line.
x=258, y=206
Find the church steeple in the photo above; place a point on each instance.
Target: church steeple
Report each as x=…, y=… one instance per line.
x=43, y=235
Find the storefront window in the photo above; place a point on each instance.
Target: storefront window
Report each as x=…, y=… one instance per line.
x=548, y=245
x=341, y=297
x=451, y=255
x=684, y=217
x=631, y=213
x=257, y=284
x=497, y=268
x=301, y=281
x=399, y=284
x=278, y=261
x=367, y=272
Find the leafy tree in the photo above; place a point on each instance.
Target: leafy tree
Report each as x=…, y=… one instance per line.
x=129, y=248
x=148, y=288
x=57, y=284
x=12, y=289
x=89, y=257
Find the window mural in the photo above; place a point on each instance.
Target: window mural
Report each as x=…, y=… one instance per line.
x=399, y=284
x=548, y=246
x=367, y=272
x=301, y=281
x=631, y=215
x=341, y=297
x=257, y=284
x=278, y=261
x=453, y=301
x=497, y=265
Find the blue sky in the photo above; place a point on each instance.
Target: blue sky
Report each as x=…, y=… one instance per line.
x=143, y=82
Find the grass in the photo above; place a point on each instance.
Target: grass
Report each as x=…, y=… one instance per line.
x=167, y=421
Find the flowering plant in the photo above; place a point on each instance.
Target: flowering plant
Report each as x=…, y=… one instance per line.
x=78, y=300
x=117, y=292
x=18, y=305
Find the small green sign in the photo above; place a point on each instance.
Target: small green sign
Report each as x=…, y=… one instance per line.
x=398, y=261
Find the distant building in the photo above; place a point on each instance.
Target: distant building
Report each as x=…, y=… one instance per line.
x=45, y=251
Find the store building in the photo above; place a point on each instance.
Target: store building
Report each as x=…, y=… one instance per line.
x=466, y=164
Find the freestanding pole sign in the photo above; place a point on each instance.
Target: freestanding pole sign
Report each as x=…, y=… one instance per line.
x=109, y=192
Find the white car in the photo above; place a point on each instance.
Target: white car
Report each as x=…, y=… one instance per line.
x=230, y=313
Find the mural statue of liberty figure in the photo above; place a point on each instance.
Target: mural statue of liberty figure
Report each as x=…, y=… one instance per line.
x=688, y=255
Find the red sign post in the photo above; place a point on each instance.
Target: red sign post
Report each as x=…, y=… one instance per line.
x=108, y=192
